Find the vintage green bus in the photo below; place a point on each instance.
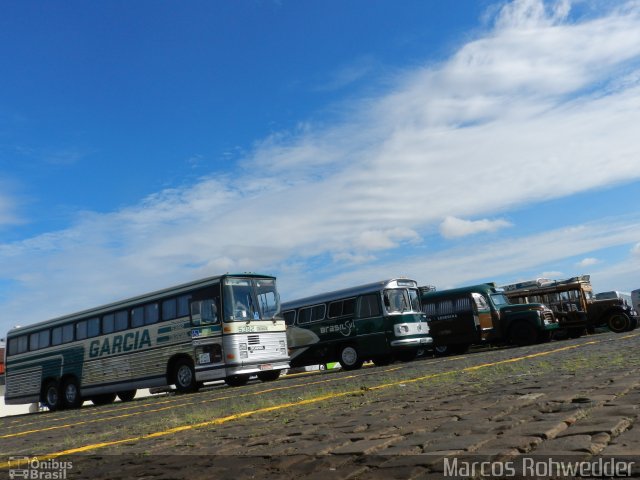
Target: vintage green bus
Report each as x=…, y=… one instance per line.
x=226, y=327
x=478, y=314
x=379, y=321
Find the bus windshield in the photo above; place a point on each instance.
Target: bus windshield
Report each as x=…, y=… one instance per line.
x=499, y=299
x=247, y=299
x=398, y=300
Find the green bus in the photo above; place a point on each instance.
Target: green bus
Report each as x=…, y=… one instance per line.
x=227, y=327
x=479, y=314
x=379, y=321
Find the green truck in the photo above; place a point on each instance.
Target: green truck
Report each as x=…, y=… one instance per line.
x=482, y=314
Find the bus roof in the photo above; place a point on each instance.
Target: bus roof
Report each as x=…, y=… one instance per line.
x=129, y=302
x=485, y=288
x=350, y=292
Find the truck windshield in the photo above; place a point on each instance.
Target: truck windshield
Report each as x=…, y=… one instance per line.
x=499, y=299
x=249, y=299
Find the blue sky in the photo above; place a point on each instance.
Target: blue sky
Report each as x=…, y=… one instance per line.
x=329, y=143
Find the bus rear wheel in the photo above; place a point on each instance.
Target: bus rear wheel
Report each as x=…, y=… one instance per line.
x=104, y=399
x=618, y=322
x=71, y=393
x=127, y=395
x=349, y=358
x=184, y=376
x=269, y=376
x=51, y=395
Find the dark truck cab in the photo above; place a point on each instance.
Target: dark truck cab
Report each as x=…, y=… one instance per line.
x=481, y=314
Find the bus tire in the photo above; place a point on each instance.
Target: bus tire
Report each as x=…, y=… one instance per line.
x=269, y=376
x=618, y=322
x=349, y=358
x=523, y=333
x=71, y=393
x=103, y=399
x=127, y=395
x=184, y=376
x=442, y=350
x=51, y=397
x=237, y=380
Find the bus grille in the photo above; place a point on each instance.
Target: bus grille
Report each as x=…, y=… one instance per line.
x=253, y=339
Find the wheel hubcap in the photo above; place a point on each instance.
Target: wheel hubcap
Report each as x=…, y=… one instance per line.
x=349, y=356
x=184, y=376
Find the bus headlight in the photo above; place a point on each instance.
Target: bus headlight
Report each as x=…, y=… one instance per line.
x=402, y=329
x=283, y=347
x=243, y=350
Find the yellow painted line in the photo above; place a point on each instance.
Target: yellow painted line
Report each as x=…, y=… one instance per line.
x=182, y=404
x=219, y=421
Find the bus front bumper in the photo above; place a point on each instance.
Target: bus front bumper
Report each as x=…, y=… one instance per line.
x=412, y=342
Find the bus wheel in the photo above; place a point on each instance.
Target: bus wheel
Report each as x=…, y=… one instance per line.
x=51, y=395
x=127, y=395
x=349, y=358
x=236, y=380
x=71, y=393
x=442, y=350
x=382, y=360
x=618, y=322
x=184, y=376
x=523, y=333
x=269, y=376
x=103, y=399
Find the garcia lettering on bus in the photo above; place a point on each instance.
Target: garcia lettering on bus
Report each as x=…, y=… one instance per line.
x=120, y=343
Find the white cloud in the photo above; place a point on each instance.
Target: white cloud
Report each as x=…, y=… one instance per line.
x=452, y=227
x=587, y=262
x=636, y=249
x=531, y=110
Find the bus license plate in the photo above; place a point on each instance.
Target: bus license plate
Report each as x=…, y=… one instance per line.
x=266, y=366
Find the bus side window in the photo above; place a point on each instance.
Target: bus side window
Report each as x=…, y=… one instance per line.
x=289, y=317
x=462, y=305
x=204, y=312
x=430, y=309
x=368, y=306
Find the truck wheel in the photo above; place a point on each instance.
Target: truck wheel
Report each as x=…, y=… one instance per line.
x=51, y=395
x=523, y=333
x=184, y=376
x=618, y=322
x=349, y=358
x=269, y=376
x=71, y=393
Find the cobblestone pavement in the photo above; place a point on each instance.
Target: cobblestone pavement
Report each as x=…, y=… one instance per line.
x=569, y=402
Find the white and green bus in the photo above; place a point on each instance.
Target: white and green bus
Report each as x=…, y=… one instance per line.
x=227, y=327
x=380, y=321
